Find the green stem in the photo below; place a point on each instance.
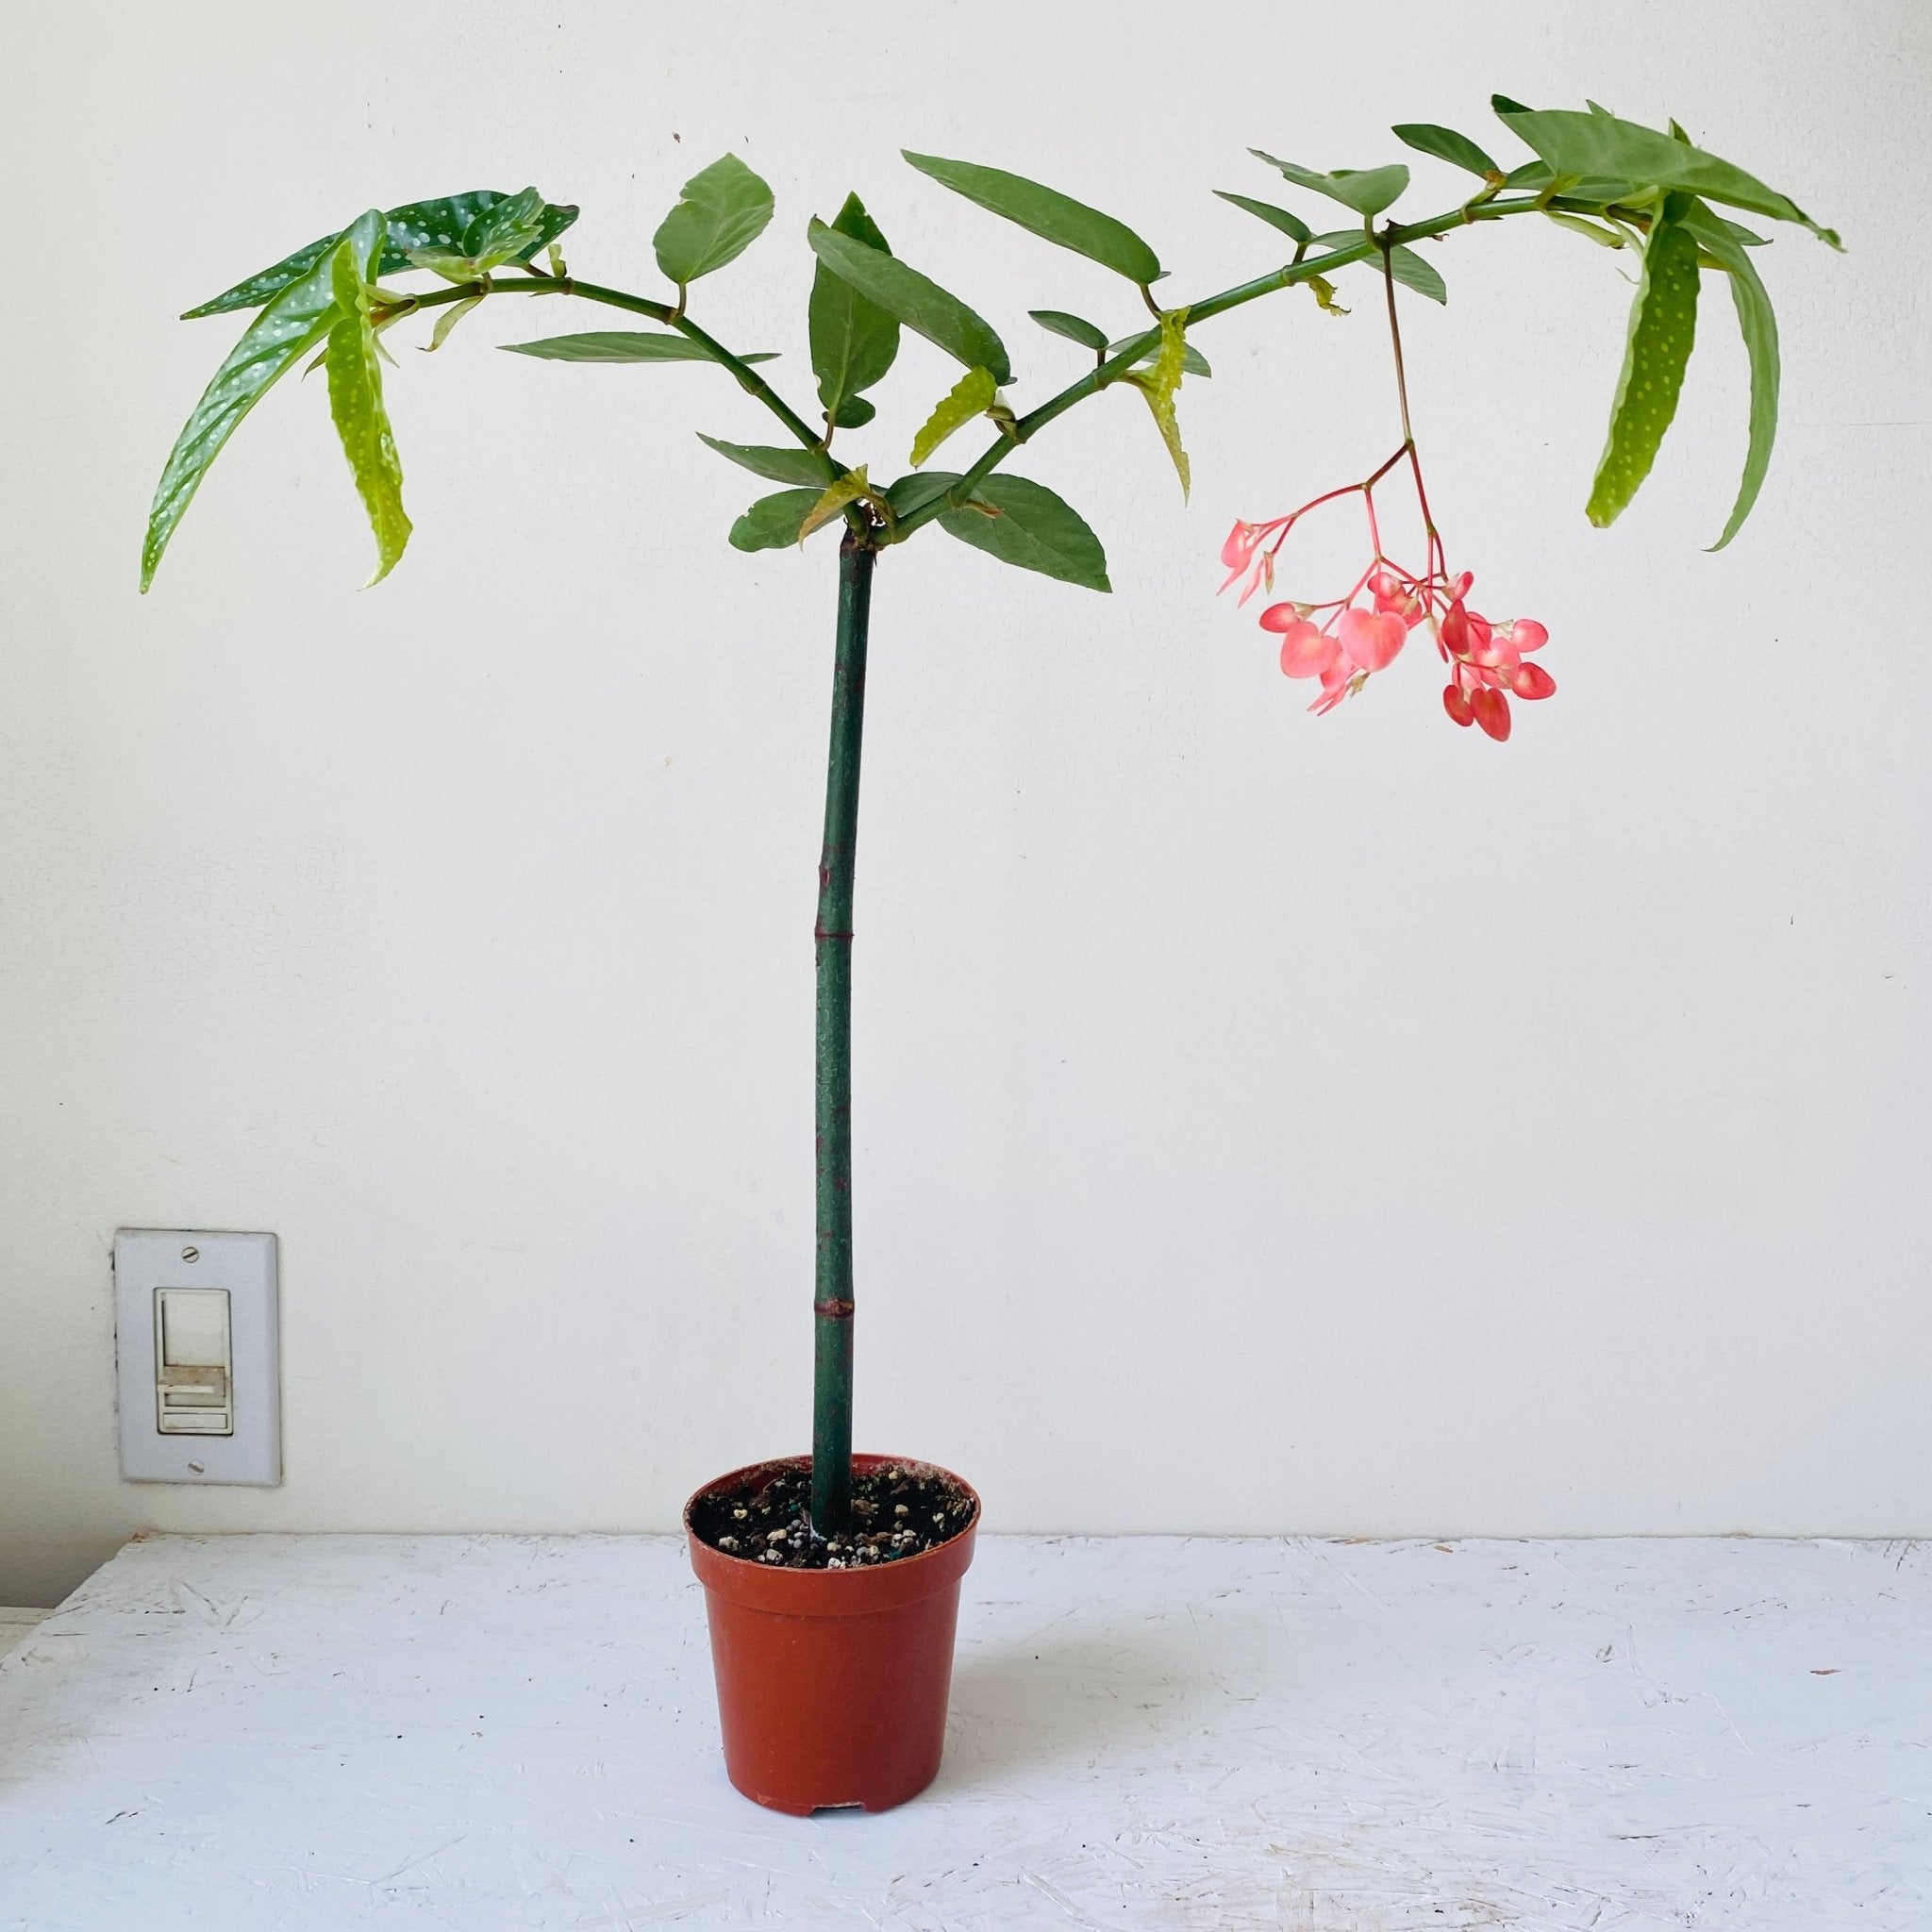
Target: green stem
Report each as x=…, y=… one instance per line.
x=831, y=1413
x=1115, y=366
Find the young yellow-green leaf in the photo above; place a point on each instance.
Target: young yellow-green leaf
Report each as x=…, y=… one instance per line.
x=1291, y=226
x=1587, y=144
x=854, y=342
x=355, y=401
x=624, y=345
x=972, y=395
x=772, y=523
x=1368, y=191
x=1727, y=243
x=1446, y=145
x=440, y=225
x=923, y=305
x=1048, y=213
x=720, y=211
x=1192, y=361
x=1056, y=322
x=1578, y=225
x=1160, y=386
x=1663, y=323
x=1322, y=290
x=448, y=320
x=1023, y=523
x=508, y=231
x=833, y=498
x=799, y=466
x=295, y=321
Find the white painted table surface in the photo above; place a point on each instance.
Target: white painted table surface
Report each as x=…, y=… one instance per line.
x=392, y=1734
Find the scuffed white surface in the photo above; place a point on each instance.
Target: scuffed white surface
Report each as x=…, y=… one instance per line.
x=394, y=1734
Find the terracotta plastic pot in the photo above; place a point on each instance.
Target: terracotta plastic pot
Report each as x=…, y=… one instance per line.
x=832, y=1684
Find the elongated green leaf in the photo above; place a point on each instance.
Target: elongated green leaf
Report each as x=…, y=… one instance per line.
x=800, y=466
x=441, y=224
x=448, y=320
x=923, y=305
x=1580, y=225
x=1725, y=241
x=1192, y=361
x=1446, y=145
x=1584, y=145
x=1048, y=213
x=292, y=324
x=1024, y=523
x=914, y=492
x=1413, y=271
x=720, y=211
x=623, y=345
x=854, y=342
x=1275, y=217
x=1368, y=191
x=1056, y=322
x=972, y=395
x=773, y=522
x=1663, y=323
x=354, y=397
x=836, y=495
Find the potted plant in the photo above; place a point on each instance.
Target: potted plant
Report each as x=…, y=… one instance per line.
x=833, y=1579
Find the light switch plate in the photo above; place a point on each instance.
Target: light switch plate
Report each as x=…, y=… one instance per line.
x=188, y=1415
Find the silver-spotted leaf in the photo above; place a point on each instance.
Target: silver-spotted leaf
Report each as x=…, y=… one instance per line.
x=355, y=403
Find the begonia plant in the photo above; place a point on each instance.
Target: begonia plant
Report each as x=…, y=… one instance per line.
x=1654, y=198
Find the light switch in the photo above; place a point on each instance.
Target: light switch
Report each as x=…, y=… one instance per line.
x=198, y=1345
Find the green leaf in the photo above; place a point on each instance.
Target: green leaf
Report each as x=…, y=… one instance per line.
x=440, y=225
x=1160, y=386
x=801, y=466
x=1411, y=270
x=1056, y=322
x=773, y=522
x=1368, y=191
x=624, y=345
x=1725, y=242
x=295, y=319
x=1024, y=523
x=1504, y=104
x=1664, y=322
x=510, y=230
x=972, y=395
x=355, y=394
x=1587, y=145
x=914, y=492
x=1048, y=213
x=1275, y=217
x=853, y=341
x=1446, y=145
x=842, y=490
x=923, y=305
x=1579, y=225
x=448, y=320
x=720, y=211
x=1192, y=361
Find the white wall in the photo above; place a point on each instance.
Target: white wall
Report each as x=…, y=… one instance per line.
x=1265, y=1122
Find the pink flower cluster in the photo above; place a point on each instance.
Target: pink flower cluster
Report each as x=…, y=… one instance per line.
x=1363, y=632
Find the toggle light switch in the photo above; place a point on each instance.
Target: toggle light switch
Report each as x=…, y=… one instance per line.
x=198, y=1339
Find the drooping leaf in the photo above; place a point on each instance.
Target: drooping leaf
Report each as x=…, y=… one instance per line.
x=1599, y=145
x=1192, y=361
x=1276, y=217
x=440, y=224
x=922, y=304
x=1160, y=386
x=1368, y=191
x=1024, y=523
x=1579, y=225
x=294, y=322
x=799, y=466
x=1056, y=322
x=354, y=397
x=853, y=341
x=1322, y=290
x=720, y=211
x=836, y=495
x=1446, y=145
x=773, y=522
x=1725, y=241
x=972, y=395
x=448, y=320
x=624, y=345
x=1048, y=213
x=1664, y=322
